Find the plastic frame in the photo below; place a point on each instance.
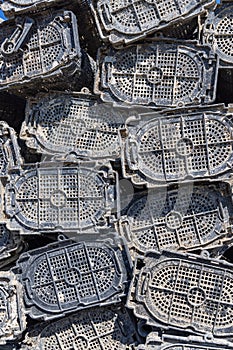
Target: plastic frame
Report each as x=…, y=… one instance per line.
x=16, y=7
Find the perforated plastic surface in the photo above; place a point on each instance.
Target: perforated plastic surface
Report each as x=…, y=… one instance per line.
x=73, y=123
x=184, y=219
x=157, y=73
x=184, y=292
x=218, y=32
x=54, y=197
x=126, y=21
x=187, y=145
x=38, y=48
x=73, y=276
x=97, y=329
x=10, y=7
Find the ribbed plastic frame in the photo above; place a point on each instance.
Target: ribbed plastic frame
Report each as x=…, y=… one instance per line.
x=64, y=123
x=186, y=218
x=49, y=197
x=157, y=73
x=189, y=145
x=15, y=7
x=66, y=277
x=124, y=22
x=183, y=292
x=40, y=48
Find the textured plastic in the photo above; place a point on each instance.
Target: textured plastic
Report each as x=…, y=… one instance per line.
x=157, y=73
x=51, y=198
x=60, y=124
x=97, y=329
x=127, y=21
x=63, y=278
x=12, y=7
x=181, y=219
x=183, y=292
x=217, y=32
x=185, y=146
x=38, y=49
x=12, y=319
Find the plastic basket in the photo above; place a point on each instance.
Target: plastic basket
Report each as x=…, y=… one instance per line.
x=182, y=219
x=157, y=73
x=59, y=279
x=41, y=49
x=183, y=292
x=60, y=124
x=189, y=145
x=217, y=32
x=98, y=328
x=127, y=21
x=11, y=245
x=12, y=7
x=50, y=198
x=12, y=319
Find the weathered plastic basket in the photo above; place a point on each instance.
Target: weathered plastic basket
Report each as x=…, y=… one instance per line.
x=181, y=219
x=64, y=123
x=39, y=49
x=154, y=342
x=127, y=21
x=183, y=292
x=217, y=32
x=51, y=198
x=157, y=73
x=97, y=329
x=12, y=319
x=12, y=7
x=66, y=277
x=189, y=145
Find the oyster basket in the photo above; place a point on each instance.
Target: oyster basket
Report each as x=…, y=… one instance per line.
x=98, y=328
x=65, y=277
x=159, y=74
x=59, y=124
x=169, y=147
x=51, y=197
x=15, y=7
x=124, y=22
x=186, y=218
x=183, y=292
x=37, y=50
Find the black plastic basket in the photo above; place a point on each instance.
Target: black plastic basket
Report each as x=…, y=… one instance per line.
x=158, y=74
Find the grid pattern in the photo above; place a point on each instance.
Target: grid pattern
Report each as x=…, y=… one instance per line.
x=71, y=198
x=23, y=5
x=172, y=149
x=177, y=219
x=72, y=277
x=162, y=74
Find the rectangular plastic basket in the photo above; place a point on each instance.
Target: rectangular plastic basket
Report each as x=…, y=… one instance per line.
x=37, y=50
x=58, y=124
x=122, y=22
x=65, y=277
x=51, y=197
x=189, y=144
x=157, y=73
x=183, y=292
x=14, y=7
x=186, y=218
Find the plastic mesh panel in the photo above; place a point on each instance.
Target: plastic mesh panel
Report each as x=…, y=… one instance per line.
x=65, y=124
x=177, y=219
x=174, y=148
x=182, y=292
x=160, y=74
x=19, y=6
x=72, y=277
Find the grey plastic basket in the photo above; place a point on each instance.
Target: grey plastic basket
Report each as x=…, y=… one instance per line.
x=179, y=291
x=65, y=277
x=64, y=123
x=157, y=73
x=217, y=32
x=97, y=329
x=39, y=49
x=126, y=21
x=187, y=145
x=179, y=219
x=12, y=319
x=50, y=197
x=12, y=7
